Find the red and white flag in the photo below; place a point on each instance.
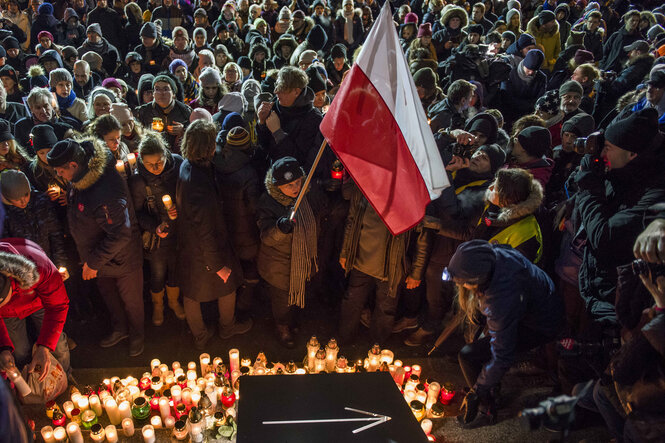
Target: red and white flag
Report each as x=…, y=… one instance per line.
x=377, y=127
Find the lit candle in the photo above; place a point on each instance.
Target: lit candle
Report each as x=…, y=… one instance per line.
x=54, y=189
x=447, y=393
x=387, y=356
x=63, y=273
x=301, y=371
x=134, y=392
x=416, y=369
x=175, y=393
x=163, y=368
x=125, y=410
x=112, y=410
x=426, y=424
x=374, y=356
x=111, y=434
x=95, y=404
x=168, y=204
x=156, y=384
x=120, y=167
x=131, y=159
x=180, y=430
x=157, y=124
x=47, y=434
x=320, y=361
x=409, y=396
x=216, y=361
x=191, y=366
x=187, y=396
x=169, y=422
x=312, y=348
x=234, y=360
x=191, y=375
x=234, y=375
x=156, y=421
x=433, y=392
x=196, y=397
x=59, y=434
x=212, y=395
x=421, y=397
x=148, y=434
x=204, y=359
x=398, y=363
x=128, y=427
x=331, y=355
x=74, y=433
x=68, y=406
x=164, y=407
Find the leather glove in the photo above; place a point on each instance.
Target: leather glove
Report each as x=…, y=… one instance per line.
x=590, y=177
x=285, y=225
x=469, y=408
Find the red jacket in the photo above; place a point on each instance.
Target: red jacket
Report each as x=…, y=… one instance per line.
x=32, y=290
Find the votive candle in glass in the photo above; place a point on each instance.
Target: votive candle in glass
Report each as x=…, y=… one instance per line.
x=74, y=433
x=47, y=434
x=176, y=392
x=125, y=410
x=418, y=409
x=88, y=419
x=416, y=369
x=234, y=360
x=426, y=425
x=111, y=434
x=83, y=403
x=95, y=404
x=169, y=422
x=58, y=418
x=180, y=430
x=112, y=411
x=312, y=348
x=164, y=407
x=60, y=435
x=204, y=362
x=68, y=406
x=156, y=421
x=128, y=427
x=148, y=434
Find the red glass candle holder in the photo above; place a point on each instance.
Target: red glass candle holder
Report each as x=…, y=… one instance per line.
x=58, y=418
x=447, y=393
x=144, y=383
x=228, y=398
x=180, y=410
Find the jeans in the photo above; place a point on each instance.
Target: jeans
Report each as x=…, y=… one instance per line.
x=226, y=306
x=596, y=400
x=473, y=357
x=439, y=295
x=162, y=268
x=123, y=297
x=18, y=333
x=359, y=289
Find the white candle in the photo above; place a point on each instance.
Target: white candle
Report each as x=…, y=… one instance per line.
x=212, y=395
x=120, y=167
x=74, y=432
x=163, y=368
x=191, y=375
x=175, y=393
x=196, y=396
x=131, y=159
x=409, y=396
x=128, y=427
x=398, y=363
x=421, y=397
x=59, y=434
x=175, y=366
x=96, y=405
x=83, y=403
x=426, y=424
x=234, y=376
x=156, y=421
x=47, y=434
x=111, y=434
x=234, y=360
x=387, y=356
x=148, y=434
x=112, y=410
x=187, y=396
x=169, y=422
x=125, y=410
x=191, y=366
x=134, y=391
x=68, y=406
x=416, y=370
x=164, y=407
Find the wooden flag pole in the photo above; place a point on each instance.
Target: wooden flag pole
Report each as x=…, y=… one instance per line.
x=305, y=185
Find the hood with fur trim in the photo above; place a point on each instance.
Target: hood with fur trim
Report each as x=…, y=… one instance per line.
x=451, y=11
x=512, y=213
x=98, y=159
x=18, y=267
x=284, y=40
x=357, y=12
x=275, y=193
x=533, y=28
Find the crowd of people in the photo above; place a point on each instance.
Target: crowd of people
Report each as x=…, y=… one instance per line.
x=171, y=139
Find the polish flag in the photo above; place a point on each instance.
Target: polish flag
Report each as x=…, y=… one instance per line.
x=377, y=127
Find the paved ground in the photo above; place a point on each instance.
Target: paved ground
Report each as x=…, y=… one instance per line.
x=172, y=341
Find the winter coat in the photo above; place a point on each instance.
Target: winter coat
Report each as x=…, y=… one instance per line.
x=101, y=217
x=156, y=58
x=42, y=175
x=274, y=257
x=38, y=285
x=240, y=189
x=613, y=53
x=564, y=25
x=593, y=42
x=628, y=79
x=540, y=168
x=13, y=113
x=443, y=115
x=611, y=212
x=641, y=104
x=517, y=98
x=520, y=296
x=111, y=23
x=73, y=36
x=109, y=53
x=396, y=261
x=180, y=113
x=340, y=23
x=170, y=17
x=77, y=110
x=43, y=22
x=23, y=128
x=160, y=185
x=550, y=42
x=299, y=136
x=39, y=223
x=203, y=238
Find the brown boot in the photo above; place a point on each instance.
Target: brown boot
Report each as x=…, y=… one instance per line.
x=419, y=337
x=157, y=307
x=172, y=293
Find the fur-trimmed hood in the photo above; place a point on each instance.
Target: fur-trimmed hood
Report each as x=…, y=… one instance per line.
x=17, y=267
x=512, y=213
x=533, y=28
x=275, y=193
x=98, y=159
x=357, y=12
x=450, y=11
x=284, y=40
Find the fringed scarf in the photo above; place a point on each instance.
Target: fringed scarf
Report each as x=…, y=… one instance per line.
x=303, y=253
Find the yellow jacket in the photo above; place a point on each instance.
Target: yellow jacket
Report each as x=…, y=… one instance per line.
x=548, y=42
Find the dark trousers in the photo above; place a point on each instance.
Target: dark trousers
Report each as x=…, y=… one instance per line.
x=359, y=289
x=475, y=355
x=283, y=314
x=124, y=299
x=162, y=268
x=439, y=295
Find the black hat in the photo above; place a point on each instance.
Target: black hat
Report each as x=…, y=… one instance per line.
x=317, y=82
x=317, y=38
x=10, y=43
x=484, y=123
x=496, y=155
x=535, y=140
x=133, y=56
x=534, y=59
x=3, y=53
x=475, y=29
x=338, y=51
x=43, y=137
x=473, y=262
x=245, y=62
x=63, y=152
x=636, y=132
x=546, y=17
x=509, y=35
x=425, y=78
x=581, y=124
x=640, y=45
x=525, y=40
x=285, y=170
x=657, y=79
x=9, y=71
x=149, y=30
x=5, y=131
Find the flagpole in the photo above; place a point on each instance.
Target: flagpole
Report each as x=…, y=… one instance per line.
x=305, y=185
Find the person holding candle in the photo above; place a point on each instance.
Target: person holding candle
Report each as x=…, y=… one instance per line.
x=213, y=272
x=31, y=288
x=287, y=256
x=42, y=176
x=132, y=131
x=156, y=178
x=107, y=129
x=523, y=311
x=103, y=225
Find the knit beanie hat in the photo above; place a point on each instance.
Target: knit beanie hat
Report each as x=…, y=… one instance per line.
x=133, y=56
x=45, y=9
x=234, y=102
x=149, y=30
x=45, y=34
x=64, y=151
x=525, y=40
x=232, y=120
x=484, y=123
x=5, y=131
x=549, y=102
x=317, y=82
x=285, y=14
x=338, y=51
x=579, y=124
x=425, y=30
x=59, y=75
x=509, y=35
x=179, y=31
x=473, y=262
x=571, y=86
x=10, y=42
x=425, y=78
x=9, y=71
x=69, y=52
x=510, y=13
x=210, y=77
x=200, y=114
x=200, y=12
x=245, y=62
x=250, y=89
x=175, y=64
x=14, y=184
x=166, y=79
x=111, y=82
x=534, y=59
x=43, y=137
x=654, y=32
x=546, y=16
x=94, y=60
x=201, y=31
x=95, y=28
x=307, y=56
x=657, y=78
x=285, y=170
x=636, y=132
x=237, y=138
x=475, y=29
x=535, y=140
x=121, y=112
x=496, y=155
x=583, y=56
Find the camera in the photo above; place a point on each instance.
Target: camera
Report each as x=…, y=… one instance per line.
x=641, y=267
x=464, y=151
x=593, y=144
x=608, y=76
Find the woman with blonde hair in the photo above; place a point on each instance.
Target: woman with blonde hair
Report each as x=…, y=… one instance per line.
x=232, y=77
x=12, y=155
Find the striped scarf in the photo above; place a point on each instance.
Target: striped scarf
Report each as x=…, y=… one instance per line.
x=303, y=253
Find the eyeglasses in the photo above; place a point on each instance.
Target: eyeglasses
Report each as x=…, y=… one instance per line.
x=163, y=90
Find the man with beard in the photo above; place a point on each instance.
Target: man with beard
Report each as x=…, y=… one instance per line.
x=613, y=52
x=95, y=42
